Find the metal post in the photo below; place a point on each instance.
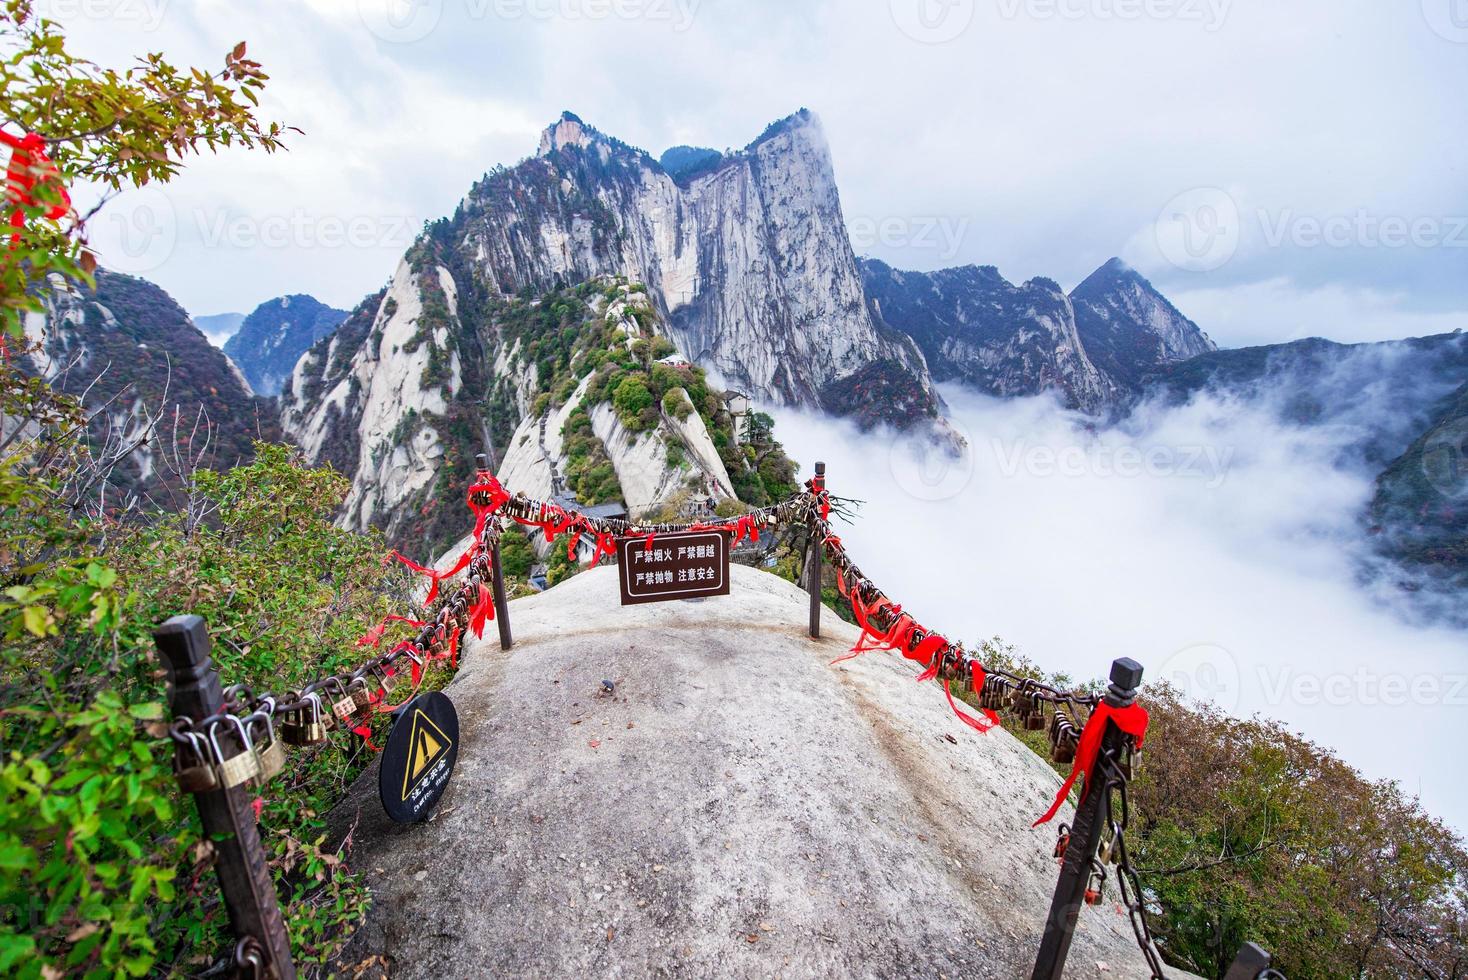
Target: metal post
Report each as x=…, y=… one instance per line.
x=1250, y=962
x=228, y=819
x=501, y=607
x=497, y=578
x=1085, y=837
x=813, y=560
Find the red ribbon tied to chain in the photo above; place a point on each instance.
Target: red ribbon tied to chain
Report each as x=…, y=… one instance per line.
x=485, y=485
x=29, y=165
x=1132, y=719
x=482, y=612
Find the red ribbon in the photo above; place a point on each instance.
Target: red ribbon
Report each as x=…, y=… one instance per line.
x=482, y=612
x=1132, y=719
x=435, y=575
x=374, y=636
x=29, y=165
x=485, y=484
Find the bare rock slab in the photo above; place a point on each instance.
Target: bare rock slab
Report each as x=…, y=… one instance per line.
x=737, y=807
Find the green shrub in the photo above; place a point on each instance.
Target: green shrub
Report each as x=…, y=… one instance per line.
x=675, y=403
x=630, y=398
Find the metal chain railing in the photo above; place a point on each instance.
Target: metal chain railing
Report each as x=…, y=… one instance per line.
x=234, y=744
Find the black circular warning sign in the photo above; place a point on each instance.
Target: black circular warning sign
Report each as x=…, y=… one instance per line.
x=419, y=757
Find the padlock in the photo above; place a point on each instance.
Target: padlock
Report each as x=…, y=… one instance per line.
x=1103, y=853
x=343, y=706
x=200, y=776
x=390, y=680
x=307, y=725
x=1061, y=843
x=1095, y=890
x=360, y=694
x=240, y=768
x=1035, y=714
x=272, y=753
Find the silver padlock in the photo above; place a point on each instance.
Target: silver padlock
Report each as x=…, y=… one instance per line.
x=240, y=768
x=272, y=753
x=199, y=776
x=306, y=726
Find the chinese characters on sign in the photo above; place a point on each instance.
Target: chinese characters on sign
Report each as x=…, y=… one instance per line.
x=677, y=566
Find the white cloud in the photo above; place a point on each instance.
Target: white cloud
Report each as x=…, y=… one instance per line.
x=1211, y=543
x=1049, y=132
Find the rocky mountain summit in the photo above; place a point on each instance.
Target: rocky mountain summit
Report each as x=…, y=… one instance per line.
x=1093, y=345
x=269, y=341
x=738, y=807
x=748, y=259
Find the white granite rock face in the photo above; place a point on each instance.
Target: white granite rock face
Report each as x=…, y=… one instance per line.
x=739, y=808
x=751, y=262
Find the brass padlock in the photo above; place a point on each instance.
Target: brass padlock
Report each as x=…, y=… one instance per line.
x=345, y=706
x=201, y=776
x=272, y=753
x=360, y=695
x=390, y=680
x=1035, y=719
x=306, y=726
x=240, y=768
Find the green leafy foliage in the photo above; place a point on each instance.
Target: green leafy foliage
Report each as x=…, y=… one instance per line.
x=115, y=128
x=101, y=860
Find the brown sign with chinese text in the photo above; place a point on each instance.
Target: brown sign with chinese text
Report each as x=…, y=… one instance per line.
x=687, y=565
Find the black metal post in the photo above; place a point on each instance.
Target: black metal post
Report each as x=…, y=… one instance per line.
x=813, y=559
x=228, y=819
x=1250, y=962
x=501, y=607
x=1085, y=837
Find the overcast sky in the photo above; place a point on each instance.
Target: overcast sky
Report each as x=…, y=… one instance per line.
x=1279, y=170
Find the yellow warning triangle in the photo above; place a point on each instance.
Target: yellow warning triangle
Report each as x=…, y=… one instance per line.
x=423, y=748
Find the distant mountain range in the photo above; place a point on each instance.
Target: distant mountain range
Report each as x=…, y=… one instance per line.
x=742, y=263
x=268, y=342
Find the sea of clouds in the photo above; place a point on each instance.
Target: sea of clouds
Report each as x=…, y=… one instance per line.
x=1216, y=543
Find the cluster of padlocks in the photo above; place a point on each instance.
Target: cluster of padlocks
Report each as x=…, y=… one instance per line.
x=244, y=744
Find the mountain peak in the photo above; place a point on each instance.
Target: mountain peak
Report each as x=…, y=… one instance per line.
x=568, y=130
